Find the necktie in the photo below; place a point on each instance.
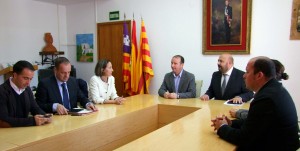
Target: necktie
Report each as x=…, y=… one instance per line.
x=223, y=84
x=66, y=101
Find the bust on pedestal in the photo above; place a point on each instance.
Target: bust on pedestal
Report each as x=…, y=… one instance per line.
x=49, y=43
x=49, y=49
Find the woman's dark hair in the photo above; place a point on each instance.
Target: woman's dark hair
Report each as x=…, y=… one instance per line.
x=280, y=74
x=100, y=66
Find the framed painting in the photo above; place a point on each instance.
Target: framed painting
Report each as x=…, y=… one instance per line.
x=226, y=26
x=295, y=21
x=84, y=47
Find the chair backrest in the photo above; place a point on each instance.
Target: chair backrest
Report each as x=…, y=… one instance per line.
x=198, y=88
x=44, y=73
x=83, y=87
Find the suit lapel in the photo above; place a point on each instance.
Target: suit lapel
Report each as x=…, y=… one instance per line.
x=56, y=91
x=182, y=80
x=230, y=80
x=71, y=91
x=171, y=81
x=218, y=80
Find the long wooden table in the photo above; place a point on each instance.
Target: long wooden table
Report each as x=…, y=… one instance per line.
x=143, y=122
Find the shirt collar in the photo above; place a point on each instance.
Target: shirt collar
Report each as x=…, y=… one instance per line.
x=59, y=82
x=17, y=90
x=178, y=75
x=229, y=71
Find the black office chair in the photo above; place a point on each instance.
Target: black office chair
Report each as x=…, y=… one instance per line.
x=43, y=73
x=83, y=87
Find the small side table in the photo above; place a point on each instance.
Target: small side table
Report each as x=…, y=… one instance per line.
x=54, y=55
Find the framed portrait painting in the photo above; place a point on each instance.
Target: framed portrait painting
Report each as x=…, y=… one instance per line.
x=295, y=21
x=226, y=26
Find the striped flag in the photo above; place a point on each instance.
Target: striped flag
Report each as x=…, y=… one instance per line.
x=126, y=59
x=134, y=51
x=139, y=73
x=146, y=58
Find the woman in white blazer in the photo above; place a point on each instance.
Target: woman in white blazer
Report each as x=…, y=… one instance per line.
x=102, y=85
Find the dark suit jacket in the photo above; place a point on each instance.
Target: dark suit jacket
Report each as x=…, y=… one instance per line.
x=48, y=93
x=272, y=122
x=186, y=87
x=235, y=86
x=229, y=8
x=8, y=107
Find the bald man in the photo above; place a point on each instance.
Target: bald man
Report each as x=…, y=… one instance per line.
x=227, y=83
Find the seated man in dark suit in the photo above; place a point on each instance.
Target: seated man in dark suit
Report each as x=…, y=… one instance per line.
x=233, y=87
x=16, y=99
x=60, y=92
x=272, y=122
x=280, y=75
x=178, y=83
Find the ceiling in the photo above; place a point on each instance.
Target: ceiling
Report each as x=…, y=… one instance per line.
x=64, y=2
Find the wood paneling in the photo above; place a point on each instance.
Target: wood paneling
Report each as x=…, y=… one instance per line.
x=115, y=125
x=106, y=135
x=169, y=113
x=110, y=46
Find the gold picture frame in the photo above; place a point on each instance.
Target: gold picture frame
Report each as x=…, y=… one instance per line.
x=295, y=21
x=226, y=28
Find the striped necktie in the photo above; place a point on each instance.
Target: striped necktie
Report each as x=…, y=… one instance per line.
x=223, y=87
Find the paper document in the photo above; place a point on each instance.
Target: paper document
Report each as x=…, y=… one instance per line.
x=85, y=111
x=229, y=102
x=79, y=111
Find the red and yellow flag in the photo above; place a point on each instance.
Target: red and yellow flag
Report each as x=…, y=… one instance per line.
x=136, y=67
x=146, y=58
x=139, y=73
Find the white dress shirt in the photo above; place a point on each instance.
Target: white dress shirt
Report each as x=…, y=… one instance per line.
x=228, y=73
x=15, y=87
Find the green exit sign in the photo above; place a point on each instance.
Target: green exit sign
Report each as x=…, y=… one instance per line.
x=114, y=15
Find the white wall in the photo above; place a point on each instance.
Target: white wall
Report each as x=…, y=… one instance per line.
x=173, y=27
x=22, y=27
x=81, y=20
